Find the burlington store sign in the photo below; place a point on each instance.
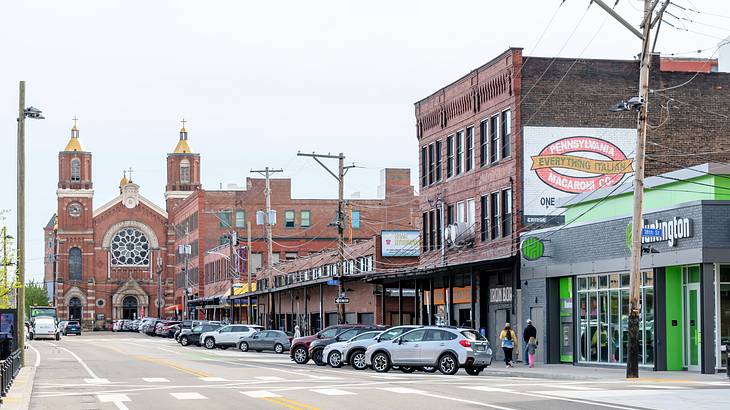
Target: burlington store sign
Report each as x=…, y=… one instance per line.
x=670, y=231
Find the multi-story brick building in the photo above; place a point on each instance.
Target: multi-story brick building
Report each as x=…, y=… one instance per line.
x=499, y=146
x=206, y=218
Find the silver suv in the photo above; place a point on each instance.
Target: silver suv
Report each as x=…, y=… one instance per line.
x=446, y=348
x=354, y=353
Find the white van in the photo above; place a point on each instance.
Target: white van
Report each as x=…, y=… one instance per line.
x=44, y=327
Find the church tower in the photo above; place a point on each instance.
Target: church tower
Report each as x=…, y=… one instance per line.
x=75, y=237
x=183, y=171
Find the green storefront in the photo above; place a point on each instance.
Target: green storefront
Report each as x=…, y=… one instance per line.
x=580, y=275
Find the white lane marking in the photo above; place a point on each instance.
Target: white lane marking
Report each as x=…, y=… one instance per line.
x=477, y=403
x=97, y=381
x=269, y=378
x=485, y=388
x=188, y=396
x=213, y=379
x=260, y=394
x=656, y=386
x=332, y=392
x=168, y=350
x=571, y=387
x=37, y=355
x=402, y=390
x=117, y=399
x=78, y=359
x=155, y=380
x=554, y=395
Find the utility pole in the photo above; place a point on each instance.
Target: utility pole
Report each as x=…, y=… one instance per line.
x=340, y=177
x=249, y=310
x=648, y=22
x=160, y=299
x=20, y=260
x=266, y=172
x=232, y=269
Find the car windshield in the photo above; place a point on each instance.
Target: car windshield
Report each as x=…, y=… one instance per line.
x=472, y=335
x=392, y=333
x=364, y=336
x=328, y=333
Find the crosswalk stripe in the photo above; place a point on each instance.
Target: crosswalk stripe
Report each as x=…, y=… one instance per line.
x=155, y=380
x=402, y=390
x=212, y=379
x=97, y=381
x=485, y=388
x=572, y=387
x=656, y=386
x=109, y=398
x=260, y=394
x=269, y=378
x=188, y=396
x=332, y=392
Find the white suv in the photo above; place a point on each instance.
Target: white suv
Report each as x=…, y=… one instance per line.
x=226, y=337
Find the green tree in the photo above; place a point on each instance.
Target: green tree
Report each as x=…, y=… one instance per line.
x=35, y=295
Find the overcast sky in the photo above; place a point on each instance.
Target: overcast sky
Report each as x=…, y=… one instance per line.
x=258, y=81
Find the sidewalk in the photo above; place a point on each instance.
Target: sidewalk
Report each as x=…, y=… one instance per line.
x=570, y=372
x=18, y=397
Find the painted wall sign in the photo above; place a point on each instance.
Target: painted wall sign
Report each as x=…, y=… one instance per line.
x=500, y=295
x=569, y=161
x=532, y=249
x=400, y=243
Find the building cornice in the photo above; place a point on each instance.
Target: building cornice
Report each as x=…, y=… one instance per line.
x=75, y=193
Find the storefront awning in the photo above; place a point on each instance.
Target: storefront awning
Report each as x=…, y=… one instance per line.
x=174, y=308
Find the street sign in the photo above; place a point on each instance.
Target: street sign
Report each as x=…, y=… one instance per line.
x=651, y=232
x=333, y=282
x=341, y=301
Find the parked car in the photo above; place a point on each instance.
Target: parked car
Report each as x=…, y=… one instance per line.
x=275, y=340
x=187, y=330
x=446, y=348
x=172, y=329
x=194, y=336
x=163, y=327
x=44, y=327
x=354, y=353
x=71, y=327
x=61, y=325
x=316, y=348
x=135, y=325
x=299, y=351
x=127, y=326
x=151, y=327
x=227, y=336
x=145, y=323
x=333, y=353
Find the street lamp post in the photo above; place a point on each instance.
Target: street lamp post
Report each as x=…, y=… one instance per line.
x=36, y=114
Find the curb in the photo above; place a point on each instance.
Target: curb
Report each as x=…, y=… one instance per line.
x=539, y=375
x=18, y=397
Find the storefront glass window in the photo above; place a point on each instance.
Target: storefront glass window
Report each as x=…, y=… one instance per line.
x=724, y=310
x=603, y=304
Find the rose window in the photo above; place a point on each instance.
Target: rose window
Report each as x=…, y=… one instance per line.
x=130, y=248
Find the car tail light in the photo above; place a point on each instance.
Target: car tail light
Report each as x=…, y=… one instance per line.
x=465, y=343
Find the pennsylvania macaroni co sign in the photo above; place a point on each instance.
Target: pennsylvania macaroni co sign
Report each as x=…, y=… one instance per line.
x=566, y=154
x=568, y=161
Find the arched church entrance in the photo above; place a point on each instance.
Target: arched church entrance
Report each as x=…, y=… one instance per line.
x=74, y=309
x=129, y=308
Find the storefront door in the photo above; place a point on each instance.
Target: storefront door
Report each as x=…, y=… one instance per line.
x=692, y=327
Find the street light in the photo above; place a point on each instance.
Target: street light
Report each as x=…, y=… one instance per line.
x=36, y=114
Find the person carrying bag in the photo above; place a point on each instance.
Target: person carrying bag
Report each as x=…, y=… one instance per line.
x=509, y=340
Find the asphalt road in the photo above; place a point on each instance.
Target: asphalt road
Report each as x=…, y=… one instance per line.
x=132, y=371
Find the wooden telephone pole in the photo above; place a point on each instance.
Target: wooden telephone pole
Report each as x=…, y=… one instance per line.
x=642, y=106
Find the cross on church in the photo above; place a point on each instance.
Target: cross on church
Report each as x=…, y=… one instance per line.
x=183, y=122
x=130, y=170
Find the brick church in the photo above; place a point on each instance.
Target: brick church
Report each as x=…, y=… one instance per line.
x=113, y=261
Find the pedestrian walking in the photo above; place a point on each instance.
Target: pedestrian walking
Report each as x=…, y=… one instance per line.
x=509, y=339
x=297, y=332
x=530, y=331
x=531, y=350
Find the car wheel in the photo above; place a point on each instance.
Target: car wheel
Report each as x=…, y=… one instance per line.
x=300, y=355
x=210, y=343
x=381, y=362
x=447, y=364
x=357, y=360
x=474, y=371
x=407, y=369
x=278, y=348
x=58, y=337
x=335, y=359
x=243, y=347
x=317, y=357
x=429, y=369
x=184, y=341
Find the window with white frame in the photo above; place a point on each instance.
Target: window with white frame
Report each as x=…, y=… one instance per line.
x=460, y=212
x=459, y=152
x=75, y=170
x=494, y=138
x=469, y=144
x=470, y=211
x=449, y=156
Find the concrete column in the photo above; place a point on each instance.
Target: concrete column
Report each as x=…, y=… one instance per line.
x=707, y=317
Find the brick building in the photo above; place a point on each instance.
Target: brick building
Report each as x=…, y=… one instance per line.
x=205, y=219
x=110, y=261
x=297, y=292
x=501, y=146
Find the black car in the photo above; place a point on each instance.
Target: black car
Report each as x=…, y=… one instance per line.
x=73, y=327
x=317, y=346
x=187, y=327
x=194, y=336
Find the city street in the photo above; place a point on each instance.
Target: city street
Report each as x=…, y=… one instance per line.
x=133, y=371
